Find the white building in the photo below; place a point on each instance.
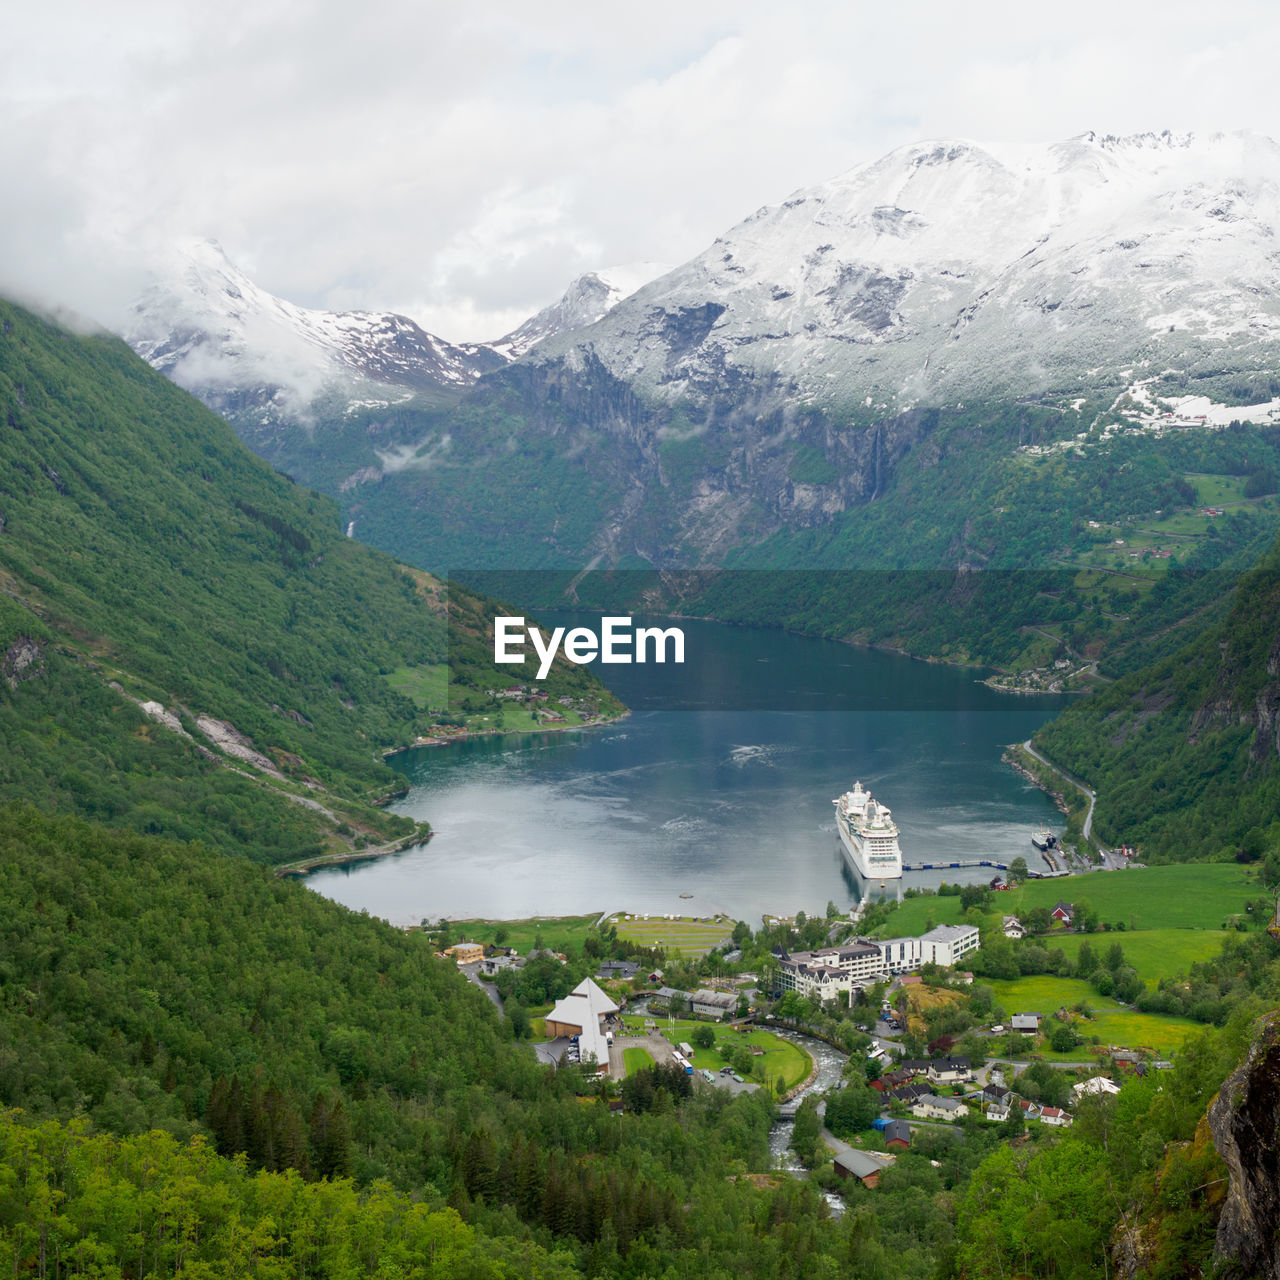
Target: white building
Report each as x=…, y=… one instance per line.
x=831, y=969
x=949, y=1071
x=932, y=1108
x=858, y=964
x=944, y=946
x=1094, y=1085
x=582, y=1013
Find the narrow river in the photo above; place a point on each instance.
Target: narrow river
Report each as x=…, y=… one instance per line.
x=830, y=1063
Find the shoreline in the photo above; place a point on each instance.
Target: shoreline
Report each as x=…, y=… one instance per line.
x=307, y=865
x=495, y=733
x=1058, y=797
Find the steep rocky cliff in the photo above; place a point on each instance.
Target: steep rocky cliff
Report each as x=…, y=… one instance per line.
x=1245, y=1122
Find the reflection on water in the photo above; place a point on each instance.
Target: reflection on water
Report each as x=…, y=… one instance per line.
x=731, y=808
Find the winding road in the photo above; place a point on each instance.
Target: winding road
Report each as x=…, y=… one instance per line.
x=1108, y=855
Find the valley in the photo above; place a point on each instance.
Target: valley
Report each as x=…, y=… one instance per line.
x=966, y=447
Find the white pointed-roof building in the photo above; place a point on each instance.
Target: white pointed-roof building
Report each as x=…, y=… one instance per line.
x=582, y=1013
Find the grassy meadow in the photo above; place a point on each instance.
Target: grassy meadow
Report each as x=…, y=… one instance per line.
x=690, y=937
x=1154, y=953
x=1111, y=1022
x=1158, y=899
x=555, y=932
x=782, y=1060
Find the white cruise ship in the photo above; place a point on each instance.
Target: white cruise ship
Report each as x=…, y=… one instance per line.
x=869, y=835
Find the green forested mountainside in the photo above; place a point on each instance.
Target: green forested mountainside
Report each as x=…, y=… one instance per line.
x=77, y=1203
x=143, y=547
x=146, y=984
x=1184, y=754
x=490, y=484
x=1101, y=552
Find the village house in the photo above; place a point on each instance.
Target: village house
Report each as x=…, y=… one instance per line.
x=897, y=1133
x=949, y=1071
x=664, y=996
x=1012, y=927
x=911, y=1093
x=491, y=965
x=996, y=1095
x=861, y=1165
x=997, y=1111
x=1026, y=1021
x=1055, y=1116
x=465, y=952
x=713, y=1004
x=618, y=969
x=934, y=1108
x=1063, y=912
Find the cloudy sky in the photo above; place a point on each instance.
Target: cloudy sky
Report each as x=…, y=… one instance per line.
x=464, y=167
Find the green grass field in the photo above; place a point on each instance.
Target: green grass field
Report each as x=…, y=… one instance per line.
x=1154, y=953
x=556, y=932
x=1159, y=899
x=1190, y=896
x=1214, y=490
x=514, y=717
x=1125, y=1028
x=636, y=1059
x=782, y=1060
x=913, y=915
x=693, y=938
x=425, y=686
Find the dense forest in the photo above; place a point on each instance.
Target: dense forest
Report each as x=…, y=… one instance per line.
x=147, y=557
x=1184, y=753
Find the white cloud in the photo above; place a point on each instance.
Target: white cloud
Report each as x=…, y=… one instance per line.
x=462, y=166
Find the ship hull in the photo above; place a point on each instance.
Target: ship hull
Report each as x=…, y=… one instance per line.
x=857, y=859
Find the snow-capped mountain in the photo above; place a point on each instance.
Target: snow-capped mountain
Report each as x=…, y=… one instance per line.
x=207, y=326
x=946, y=298
x=588, y=299
x=948, y=268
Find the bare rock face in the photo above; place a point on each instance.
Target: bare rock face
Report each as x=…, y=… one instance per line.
x=1133, y=1248
x=23, y=659
x=1245, y=1122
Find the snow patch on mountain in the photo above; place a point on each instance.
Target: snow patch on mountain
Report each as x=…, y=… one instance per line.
x=206, y=325
x=948, y=268
x=587, y=299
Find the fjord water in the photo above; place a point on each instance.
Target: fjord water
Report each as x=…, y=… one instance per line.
x=698, y=811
